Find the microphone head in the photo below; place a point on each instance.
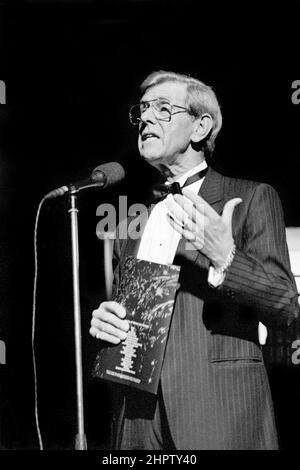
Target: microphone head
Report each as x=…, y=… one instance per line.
x=108, y=173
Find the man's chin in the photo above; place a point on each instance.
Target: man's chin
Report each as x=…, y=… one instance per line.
x=151, y=158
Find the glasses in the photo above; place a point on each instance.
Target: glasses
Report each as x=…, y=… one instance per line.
x=162, y=109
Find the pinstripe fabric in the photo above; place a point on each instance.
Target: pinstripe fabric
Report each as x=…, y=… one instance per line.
x=214, y=382
x=141, y=432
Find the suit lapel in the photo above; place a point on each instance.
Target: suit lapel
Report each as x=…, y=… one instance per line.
x=212, y=189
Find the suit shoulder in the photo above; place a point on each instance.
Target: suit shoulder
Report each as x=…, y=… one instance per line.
x=246, y=187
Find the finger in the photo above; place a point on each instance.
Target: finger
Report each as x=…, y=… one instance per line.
x=189, y=217
x=105, y=336
x=108, y=328
x=110, y=318
x=93, y=331
x=188, y=232
x=200, y=203
x=191, y=213
x=178, y=213
x=187, y=206
x=114, y=307
x=111, y=307
x=228, y=210
x=191, y=234
x=175, y=224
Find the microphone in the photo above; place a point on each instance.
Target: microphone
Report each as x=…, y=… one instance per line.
x=102, y=176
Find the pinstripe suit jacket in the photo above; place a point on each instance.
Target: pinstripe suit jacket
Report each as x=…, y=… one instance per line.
x=214, y=382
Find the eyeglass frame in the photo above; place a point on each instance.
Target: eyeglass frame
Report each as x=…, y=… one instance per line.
x=148, y=103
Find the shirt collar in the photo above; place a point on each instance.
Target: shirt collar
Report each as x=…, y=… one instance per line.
x=182, y=179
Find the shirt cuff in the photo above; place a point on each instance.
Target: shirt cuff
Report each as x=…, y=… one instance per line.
x=215, y=278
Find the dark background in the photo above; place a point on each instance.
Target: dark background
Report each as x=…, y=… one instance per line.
x=72, y=70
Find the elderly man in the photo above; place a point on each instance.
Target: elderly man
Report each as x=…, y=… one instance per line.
x=214, y=391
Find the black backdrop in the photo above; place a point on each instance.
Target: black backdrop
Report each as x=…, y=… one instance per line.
x=72, y=70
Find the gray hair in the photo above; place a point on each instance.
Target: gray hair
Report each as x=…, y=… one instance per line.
x=200, y=99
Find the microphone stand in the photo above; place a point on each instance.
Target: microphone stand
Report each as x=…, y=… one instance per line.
x=80, y=441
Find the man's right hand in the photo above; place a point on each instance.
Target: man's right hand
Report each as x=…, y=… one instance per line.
x=108, y=322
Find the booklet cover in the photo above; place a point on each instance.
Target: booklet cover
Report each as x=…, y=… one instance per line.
x=147, y=291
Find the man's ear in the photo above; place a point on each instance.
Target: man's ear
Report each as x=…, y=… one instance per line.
x=202, y=127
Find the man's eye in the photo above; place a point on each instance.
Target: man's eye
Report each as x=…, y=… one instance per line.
x=143, y=107
x=163, y=107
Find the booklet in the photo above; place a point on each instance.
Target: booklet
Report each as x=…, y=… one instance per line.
x=147, y=291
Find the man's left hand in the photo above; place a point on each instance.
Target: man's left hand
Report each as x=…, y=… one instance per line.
x=201, y=225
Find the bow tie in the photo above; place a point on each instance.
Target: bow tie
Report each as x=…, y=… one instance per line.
x=161, y=191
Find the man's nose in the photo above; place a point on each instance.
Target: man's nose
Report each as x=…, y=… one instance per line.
x=148, y=115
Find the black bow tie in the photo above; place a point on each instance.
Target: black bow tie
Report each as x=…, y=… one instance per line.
x=160, y=191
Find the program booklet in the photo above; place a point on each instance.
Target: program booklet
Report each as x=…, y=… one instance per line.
x=147, y=291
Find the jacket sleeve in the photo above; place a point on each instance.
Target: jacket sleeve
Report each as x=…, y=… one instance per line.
x=260, y=277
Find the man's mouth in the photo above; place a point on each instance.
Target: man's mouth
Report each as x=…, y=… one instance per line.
x=148, y=136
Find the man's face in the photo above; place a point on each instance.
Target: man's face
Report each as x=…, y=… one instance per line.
x=162, y=142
